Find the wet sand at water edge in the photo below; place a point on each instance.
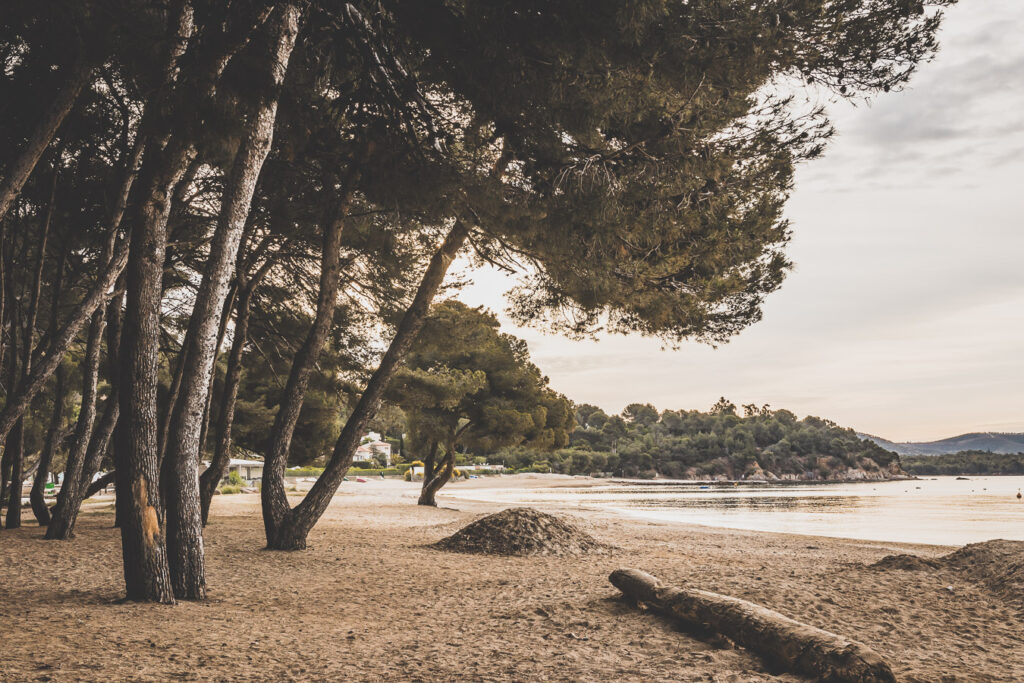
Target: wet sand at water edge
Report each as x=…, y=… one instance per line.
x=368, y=601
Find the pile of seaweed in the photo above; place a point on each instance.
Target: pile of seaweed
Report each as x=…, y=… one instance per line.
x=521, y=531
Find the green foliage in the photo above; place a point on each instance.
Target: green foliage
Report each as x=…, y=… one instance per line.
x=964, y=462
x=373, y=471
x=467, y=384
x=688, y=444
x=230, y=489
x=235, y=479
x=304, y=471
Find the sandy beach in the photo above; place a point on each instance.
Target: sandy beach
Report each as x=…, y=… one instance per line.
x=368, y=601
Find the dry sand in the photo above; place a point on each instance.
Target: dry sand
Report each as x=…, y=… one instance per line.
x=369, y=601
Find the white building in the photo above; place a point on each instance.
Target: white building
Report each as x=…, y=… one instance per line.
x=251, y=471
x=367, y=451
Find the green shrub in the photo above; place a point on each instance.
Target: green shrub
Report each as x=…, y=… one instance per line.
x=304, y=471
x=235, y=479
x=374, y=472
x=228, y=489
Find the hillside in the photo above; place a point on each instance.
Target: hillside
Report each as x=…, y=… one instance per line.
x=992, y=442
x=965, y=462
x=762, y=444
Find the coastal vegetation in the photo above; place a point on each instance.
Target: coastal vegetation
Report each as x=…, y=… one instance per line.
x=759, y=444
x=964, y=462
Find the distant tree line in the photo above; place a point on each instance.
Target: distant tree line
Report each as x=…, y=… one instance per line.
x=641, y=442
x=964, y=462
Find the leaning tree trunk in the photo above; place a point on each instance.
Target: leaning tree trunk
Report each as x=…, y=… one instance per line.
x=69, y=500
x=37, y=497
x=21, y=168
x=290, y=532
x=16, y=445
x=28, y=342
x=441, y=476
x=209, y=479
x=184, y=518
x=100, y=441
x=273, y=496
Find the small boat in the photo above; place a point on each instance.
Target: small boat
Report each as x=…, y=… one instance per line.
x=704, y=487
x=360, y=480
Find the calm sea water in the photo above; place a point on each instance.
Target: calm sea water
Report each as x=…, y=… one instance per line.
x=943, y=510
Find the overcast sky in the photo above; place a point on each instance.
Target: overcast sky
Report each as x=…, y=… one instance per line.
x=904, y=316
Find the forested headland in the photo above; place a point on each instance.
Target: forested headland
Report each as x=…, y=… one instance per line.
x=964, y=462
x=759, y=444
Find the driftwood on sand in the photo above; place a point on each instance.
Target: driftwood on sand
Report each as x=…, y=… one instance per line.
x=782, y=641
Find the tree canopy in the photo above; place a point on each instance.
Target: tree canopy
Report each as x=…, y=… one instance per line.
x=467, y=384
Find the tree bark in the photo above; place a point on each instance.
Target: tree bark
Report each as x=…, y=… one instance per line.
x=69, y=500
x=15, y=444
x=184, y=517
x=441, y=476
x=780, y=640
x=143, y=540
x=287, y=529
x=100, y=442
x=209, y=479
x=37, y=497
x=28, y=341
x=147, y=577
x=21, y=168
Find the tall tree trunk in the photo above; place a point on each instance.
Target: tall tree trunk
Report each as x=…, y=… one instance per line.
x=28, y=341
x=37, y=497
x=146, y=572
x=247, y=285
x=272, y=492
x=184, y=518
x=225, y=318
x=21, y=168
x=100, y=441
x=209, y=479
x=10, y=381
x=15, y=444
x=69, y=500
x=289, y=528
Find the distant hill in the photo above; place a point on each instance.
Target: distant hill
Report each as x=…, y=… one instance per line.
x=993, y=442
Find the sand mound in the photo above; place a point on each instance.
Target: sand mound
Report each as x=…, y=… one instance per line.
x=521, y=531
x=997, y=564
x=908, y=563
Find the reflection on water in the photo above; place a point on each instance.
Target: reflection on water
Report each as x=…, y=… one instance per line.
x=943, y=510
x=834, y=504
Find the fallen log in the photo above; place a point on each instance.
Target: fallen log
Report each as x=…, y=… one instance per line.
x=782, y=641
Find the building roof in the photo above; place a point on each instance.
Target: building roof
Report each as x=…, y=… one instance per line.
x=251, y=463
